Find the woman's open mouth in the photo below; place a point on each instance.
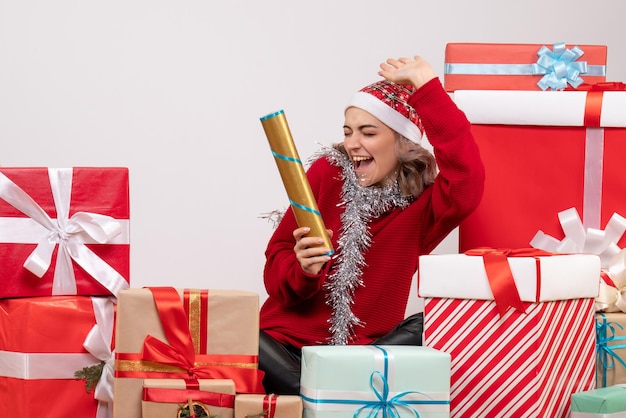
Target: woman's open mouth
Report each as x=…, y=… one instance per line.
x=361, y=163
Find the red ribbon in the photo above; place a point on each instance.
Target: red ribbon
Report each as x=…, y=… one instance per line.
x=269, y=405
x=593, y=102
x=222, y=400
x=192, y=384
x=605, y=86
x=607, y=279
x=500, y=277
x=180, y=350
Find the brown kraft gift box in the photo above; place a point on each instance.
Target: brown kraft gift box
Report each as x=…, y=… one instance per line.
x=268, y=406
x=611, y=348
x=170, y=333
x=163, y=398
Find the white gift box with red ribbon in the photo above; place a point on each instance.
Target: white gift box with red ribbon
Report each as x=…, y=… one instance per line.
x=591, y=225
x=524, y=353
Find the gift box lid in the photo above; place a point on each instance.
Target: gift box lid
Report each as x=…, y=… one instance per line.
x=538, y=279
x=560, y=108
x=341, y=380
x=139, y=317
x=605, y=400
x=351, y=367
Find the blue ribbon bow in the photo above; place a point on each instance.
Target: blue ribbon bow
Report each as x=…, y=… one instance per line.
x=387, y=406
x=605, y=353
x=559, y=67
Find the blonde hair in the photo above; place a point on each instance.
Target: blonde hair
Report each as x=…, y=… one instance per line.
x=416, y=166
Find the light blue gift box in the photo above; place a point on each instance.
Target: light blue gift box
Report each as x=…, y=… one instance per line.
x=375, y=380
x=608, y=402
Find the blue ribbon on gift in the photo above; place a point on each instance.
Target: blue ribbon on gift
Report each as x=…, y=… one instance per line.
x=605, y=334
x=558, y=67
x=384, y=404
x=388, y=406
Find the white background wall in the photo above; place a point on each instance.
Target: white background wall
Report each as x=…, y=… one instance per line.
x=174, y=90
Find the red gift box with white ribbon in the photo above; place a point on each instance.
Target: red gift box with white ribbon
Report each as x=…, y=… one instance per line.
x=518, y=325
x=44, y=341
x=500, y=66
x=64, y=231
x=553, y=163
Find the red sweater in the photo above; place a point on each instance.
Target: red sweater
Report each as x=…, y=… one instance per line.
x=296, y=313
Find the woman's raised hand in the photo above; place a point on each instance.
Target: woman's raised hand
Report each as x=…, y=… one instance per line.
x=415, y=71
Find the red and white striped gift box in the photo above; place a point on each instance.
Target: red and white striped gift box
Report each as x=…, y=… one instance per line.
x=519, y=364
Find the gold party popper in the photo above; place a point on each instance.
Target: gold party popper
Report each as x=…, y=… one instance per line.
x=294, y=177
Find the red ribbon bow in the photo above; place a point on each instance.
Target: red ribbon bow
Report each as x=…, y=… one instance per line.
x=180, y=350
x=499, y=274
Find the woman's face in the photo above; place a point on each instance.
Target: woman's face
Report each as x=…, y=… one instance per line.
x=371, y=147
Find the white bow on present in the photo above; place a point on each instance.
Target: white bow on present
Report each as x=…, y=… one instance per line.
x=70, y=234
x=612, y=295
x=593, y=241
x=98, y=343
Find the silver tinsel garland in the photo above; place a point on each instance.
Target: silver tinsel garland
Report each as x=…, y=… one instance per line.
x=362, y=204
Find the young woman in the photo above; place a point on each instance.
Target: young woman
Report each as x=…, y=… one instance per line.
x=385, y=204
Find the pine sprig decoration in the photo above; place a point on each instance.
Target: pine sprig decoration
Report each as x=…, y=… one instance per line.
x=91, y=375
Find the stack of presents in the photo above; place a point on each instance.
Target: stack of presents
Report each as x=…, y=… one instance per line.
x=527, y=320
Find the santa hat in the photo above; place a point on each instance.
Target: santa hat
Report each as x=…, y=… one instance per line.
x=389, y=102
